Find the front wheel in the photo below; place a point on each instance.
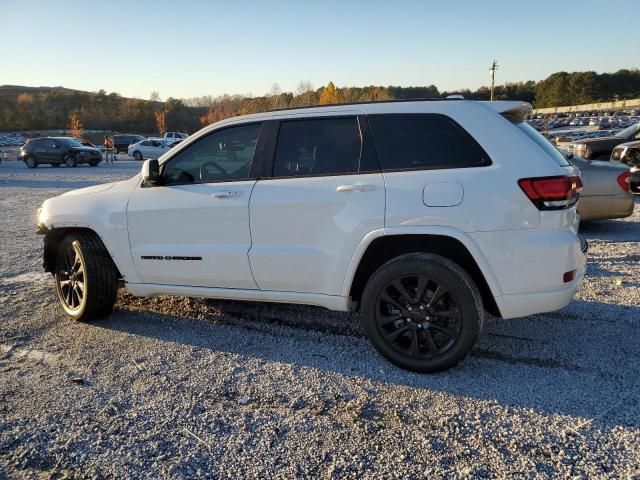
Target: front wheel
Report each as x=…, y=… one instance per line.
x=55, y=165
x=85, y=276
x=422, y=312
x=70, y=161
x=137, y=155
x=31, y=162
x=94, y=164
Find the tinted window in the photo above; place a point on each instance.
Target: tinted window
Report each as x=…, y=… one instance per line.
x=221, y=156
x=318, y=147
x=146, y=143
x=424, y=141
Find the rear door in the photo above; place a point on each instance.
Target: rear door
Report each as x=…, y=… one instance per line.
x=321, y=192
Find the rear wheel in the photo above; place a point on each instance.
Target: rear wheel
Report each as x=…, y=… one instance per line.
x=93, y=164
x=137, y=155
x=86, y=279
x=422, y=312
x=70, y=161
x=31, y=162
x=55, y=165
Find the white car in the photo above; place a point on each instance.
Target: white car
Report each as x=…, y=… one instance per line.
x=175, y=136
x=150, y=148
x=418, y=214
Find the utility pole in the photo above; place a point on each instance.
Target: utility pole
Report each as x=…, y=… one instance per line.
x=492, y=72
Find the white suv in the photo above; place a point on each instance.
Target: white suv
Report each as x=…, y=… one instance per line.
x=418, y=214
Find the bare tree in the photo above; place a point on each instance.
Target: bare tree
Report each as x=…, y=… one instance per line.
x=304, y=86
x=155, y=96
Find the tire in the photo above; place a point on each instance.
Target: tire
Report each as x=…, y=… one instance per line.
x=137, y=155
x=55, y=165
x=94, y=164
x=31, y=162
x=70, y=161
x=430, y=334
x=85, y=277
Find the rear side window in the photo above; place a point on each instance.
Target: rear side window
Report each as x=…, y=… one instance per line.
x=543, y=143
x=321, y=146
x=424, y=142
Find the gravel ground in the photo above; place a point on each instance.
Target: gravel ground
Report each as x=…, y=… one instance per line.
x=187, y=388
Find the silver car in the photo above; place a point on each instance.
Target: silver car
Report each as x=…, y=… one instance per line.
x=605, y=190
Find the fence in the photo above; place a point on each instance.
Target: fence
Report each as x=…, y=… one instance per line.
x=591, y=106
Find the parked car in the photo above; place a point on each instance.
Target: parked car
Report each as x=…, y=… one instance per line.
x=175, y=136
x=121, y=142
x=149, y=148
x=57, y=151
x=605, y=189
x=420, y=231
x=629, y=154
x=601, y=148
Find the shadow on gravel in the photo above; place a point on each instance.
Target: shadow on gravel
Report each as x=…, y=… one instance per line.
x=573, y=362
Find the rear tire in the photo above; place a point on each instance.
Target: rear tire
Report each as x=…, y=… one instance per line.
x=70, y=161
x=94, y=164
x=55, y=165
x=422, y=312
x=86, y=278
x=31, y=162
x=137, y=155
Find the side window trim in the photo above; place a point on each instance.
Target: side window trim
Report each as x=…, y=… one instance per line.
x=256, y=159
x=368, y=154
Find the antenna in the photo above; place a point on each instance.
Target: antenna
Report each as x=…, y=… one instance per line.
x=492, y=73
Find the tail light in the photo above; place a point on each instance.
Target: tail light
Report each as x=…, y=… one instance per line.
x=552, y=193
x=624, y=180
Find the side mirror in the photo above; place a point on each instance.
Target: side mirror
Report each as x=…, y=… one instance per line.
x=151, y=173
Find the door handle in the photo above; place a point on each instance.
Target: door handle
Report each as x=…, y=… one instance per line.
x=356, y=187
x=227, y=194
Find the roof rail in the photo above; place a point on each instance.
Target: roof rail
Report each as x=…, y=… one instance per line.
x=436, y=99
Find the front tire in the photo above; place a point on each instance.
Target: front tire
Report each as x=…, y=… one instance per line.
x=85, y=277
x=31, y=162
x=137, y=155
x=422, y=312
x=70, y=161
x=55, y=165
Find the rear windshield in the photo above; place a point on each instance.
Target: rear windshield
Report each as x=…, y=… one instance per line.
x=543, y=143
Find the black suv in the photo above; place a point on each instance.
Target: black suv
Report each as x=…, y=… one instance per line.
x=600, y=148
x=58, y=150
x=121, y=142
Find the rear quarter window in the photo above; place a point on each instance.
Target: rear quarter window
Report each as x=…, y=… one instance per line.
x=543, y=143
x=424, y=142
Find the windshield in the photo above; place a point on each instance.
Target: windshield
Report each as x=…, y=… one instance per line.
x=543, y=143
x=629, y=131
x=70, y=142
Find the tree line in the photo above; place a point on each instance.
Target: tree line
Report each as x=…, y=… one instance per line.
x=44, y=108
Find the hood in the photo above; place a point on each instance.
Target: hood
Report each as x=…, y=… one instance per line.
x=94, y=189
x=609, y=141
x=635, y=144
x=84, y=149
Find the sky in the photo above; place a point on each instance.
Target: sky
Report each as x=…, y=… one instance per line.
x=184, y=48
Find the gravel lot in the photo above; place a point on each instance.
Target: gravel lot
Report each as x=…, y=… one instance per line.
x=184, y=388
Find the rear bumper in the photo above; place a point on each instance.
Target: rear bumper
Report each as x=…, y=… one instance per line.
x=606, y=206
x=524, y=304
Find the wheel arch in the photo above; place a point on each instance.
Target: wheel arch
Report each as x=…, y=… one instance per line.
x=378, y=248
x=54, y=236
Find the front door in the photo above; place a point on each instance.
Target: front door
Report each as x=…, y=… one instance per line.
x=194, y=229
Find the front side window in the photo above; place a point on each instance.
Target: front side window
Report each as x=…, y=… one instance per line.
x=424, y=142
x=223, y=155
x=321, y=146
